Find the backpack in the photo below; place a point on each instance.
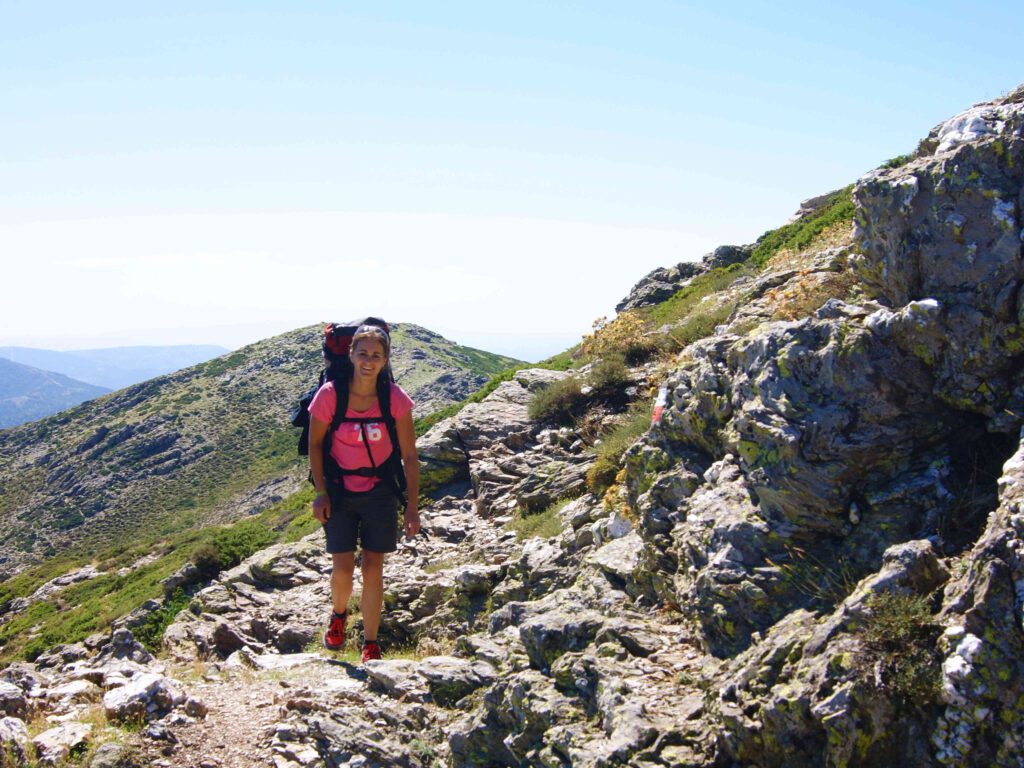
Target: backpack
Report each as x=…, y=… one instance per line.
x=337, y=342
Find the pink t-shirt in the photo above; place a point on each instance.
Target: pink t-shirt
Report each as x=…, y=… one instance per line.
x=347, y=447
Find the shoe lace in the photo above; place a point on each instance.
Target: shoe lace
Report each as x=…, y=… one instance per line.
x=337, y=626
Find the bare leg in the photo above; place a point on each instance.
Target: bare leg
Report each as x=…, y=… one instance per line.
x=372, y=601
x=344, y=565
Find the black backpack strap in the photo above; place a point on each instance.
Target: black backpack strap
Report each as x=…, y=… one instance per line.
x=394, y=474
x=332, y=472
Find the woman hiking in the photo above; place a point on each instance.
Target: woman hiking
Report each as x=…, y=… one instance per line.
x=358, y=480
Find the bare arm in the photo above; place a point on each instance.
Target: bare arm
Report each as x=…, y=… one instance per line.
x=322, y=502
x=411, y=462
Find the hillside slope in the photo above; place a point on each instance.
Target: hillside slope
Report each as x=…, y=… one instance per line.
x=28, y=393
x=187, y=448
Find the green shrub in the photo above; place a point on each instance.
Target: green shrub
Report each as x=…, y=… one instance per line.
x=897, y=162
x=206, y=558
x=558, y=403
x=229, y=546
x=239, y=541
x=609, y=377
x=151, y=632
x=898, y=638
x=563, y=361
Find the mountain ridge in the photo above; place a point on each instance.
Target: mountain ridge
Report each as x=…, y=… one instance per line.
x=28, y=393
x=114, y=367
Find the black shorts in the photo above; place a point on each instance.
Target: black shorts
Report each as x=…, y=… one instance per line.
x=370, y=519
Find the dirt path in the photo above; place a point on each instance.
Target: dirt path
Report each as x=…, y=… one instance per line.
x=244, y=710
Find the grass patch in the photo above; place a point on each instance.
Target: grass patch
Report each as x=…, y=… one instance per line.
x=684, y=301
x=800, y=234
x=897, y=162
x=546, y=523
x=91, y=606
x=824, y=582
x=700, y=326
x=613, y=445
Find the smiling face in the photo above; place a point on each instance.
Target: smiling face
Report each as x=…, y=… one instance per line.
x=368, y=358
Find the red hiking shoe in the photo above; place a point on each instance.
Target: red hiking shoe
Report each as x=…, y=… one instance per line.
x=371, y=651
x=334, y=637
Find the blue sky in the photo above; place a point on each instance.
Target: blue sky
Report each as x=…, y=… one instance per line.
x=221, y=172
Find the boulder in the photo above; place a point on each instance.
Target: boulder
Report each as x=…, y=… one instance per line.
x=14, y=737
x=450, y=679
x=147, y=696
x=54, y=745
x=12, y=700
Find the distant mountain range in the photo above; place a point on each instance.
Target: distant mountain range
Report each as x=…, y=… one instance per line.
x=114, y=367
x=28, y=393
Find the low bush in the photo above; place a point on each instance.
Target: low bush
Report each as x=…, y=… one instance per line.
x=609, y=378
x=229, y=546
x=898, y=637
x=623, y=336
x=206, y=558
x=151, y=632
x=558, y=403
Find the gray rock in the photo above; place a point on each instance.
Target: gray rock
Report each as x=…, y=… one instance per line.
x=659, y=285
x=946, y=227
x=14, y=737
x=619, y=558
x=450, y=679
x=185, y=576
x=75, y=692
x=54, y=745
x=122, y=646
x=114, y=755
x=725, y=255
x=147, y=696
x=12, y=700
x=549, y=635
x=281, y=566
x=399, y=678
